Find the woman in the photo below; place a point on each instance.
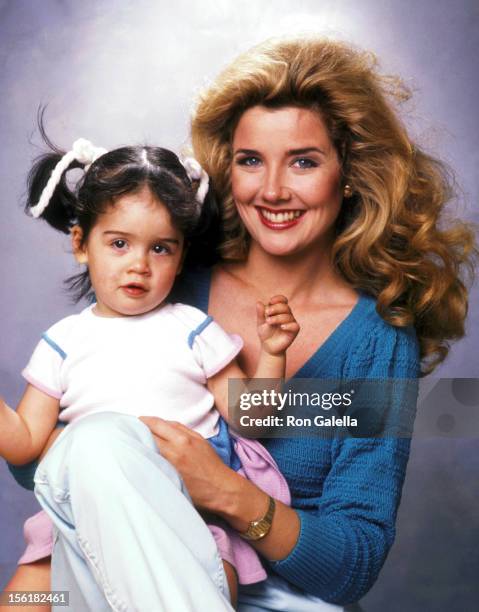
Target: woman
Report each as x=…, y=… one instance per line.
x=326, y=200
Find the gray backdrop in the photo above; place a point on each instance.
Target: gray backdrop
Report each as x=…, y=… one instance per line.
x=123, y=72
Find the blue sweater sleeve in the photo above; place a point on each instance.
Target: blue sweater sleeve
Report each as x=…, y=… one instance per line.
x=343, y=543
x=23, y=474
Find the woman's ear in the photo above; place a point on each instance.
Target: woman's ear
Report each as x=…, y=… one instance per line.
x=79, y=249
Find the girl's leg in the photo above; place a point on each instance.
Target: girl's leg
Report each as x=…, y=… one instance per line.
x=232, y=578
x=30, y=577
x=128, y=535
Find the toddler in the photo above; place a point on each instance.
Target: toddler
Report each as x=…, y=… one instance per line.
x=132, y=351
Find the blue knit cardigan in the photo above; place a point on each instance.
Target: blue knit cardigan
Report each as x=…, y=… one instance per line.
x=345, y=490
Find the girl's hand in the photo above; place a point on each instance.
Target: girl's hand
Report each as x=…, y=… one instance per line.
x=206, y=477
x=277, y=327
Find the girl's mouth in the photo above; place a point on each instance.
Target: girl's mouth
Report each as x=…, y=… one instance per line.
x=134, y=290
x=279, y=219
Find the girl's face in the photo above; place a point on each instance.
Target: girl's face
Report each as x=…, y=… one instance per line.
x=285, y=179
x=133, y=254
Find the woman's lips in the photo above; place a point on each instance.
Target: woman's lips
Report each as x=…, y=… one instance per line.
x=134, y=290
x=279, y=219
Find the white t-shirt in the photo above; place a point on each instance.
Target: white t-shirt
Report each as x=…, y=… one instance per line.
x=154, y=364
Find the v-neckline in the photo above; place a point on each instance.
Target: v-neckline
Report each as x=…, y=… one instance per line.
x=327, y=349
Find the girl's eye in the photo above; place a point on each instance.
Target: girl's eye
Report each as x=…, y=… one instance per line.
x=161, y=249
x=251, y=161
x=119, y=244
x=305, y=162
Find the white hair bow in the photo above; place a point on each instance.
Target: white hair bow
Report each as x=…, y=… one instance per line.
x=196, y=173
x=82, y=151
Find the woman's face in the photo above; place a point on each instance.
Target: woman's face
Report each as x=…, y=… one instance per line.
x=285, y=179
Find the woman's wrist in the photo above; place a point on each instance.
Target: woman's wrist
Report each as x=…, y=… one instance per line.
x=240, y=502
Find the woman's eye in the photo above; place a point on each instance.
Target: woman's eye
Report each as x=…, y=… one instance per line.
x=305, y=162
x=161, y=249
x=119, y=244
x=249, y=161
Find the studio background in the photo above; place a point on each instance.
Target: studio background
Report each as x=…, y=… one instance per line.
x=126, y=72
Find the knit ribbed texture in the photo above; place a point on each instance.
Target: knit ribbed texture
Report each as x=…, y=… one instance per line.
x=346, y=490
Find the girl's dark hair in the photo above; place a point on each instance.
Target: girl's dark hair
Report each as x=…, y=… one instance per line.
x=116, y=173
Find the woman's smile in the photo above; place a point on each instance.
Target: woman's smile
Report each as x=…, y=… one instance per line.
x=285, y=179
x=279, y=219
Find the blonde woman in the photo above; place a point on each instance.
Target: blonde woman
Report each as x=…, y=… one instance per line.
x=325, y=199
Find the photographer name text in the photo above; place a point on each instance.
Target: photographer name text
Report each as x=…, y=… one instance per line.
x=292, y=421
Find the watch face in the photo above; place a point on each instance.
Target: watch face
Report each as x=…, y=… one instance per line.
x=258, y=529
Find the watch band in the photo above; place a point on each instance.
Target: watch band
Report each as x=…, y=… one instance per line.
x=260, y=528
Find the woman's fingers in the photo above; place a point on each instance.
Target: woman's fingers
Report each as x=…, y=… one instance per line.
x=193, y=457
x=167, y=430
x=174, y=440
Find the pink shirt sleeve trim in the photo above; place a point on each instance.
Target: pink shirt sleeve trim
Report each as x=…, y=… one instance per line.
x=29, y=378
x=237, y=346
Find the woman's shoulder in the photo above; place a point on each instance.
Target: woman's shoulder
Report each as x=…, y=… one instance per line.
x=380, y=348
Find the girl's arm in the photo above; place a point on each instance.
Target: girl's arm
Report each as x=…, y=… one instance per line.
x=24, y=433
x=277, y=329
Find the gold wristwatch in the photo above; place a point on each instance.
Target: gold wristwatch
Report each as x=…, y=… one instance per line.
x=260, y=528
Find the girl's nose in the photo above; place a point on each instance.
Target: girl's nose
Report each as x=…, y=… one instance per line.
x=274, y=189
x=140, y=264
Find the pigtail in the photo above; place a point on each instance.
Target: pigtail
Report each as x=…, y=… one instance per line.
x=204, y=241
x=49, y=195
x=60, y=211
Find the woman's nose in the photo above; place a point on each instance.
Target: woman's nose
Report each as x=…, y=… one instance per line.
x=274, y=189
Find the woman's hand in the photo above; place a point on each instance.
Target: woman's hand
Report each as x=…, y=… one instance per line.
x=215, y=488
x=206, y=477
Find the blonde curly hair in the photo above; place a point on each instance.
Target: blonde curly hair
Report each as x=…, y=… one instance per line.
x=391, y=240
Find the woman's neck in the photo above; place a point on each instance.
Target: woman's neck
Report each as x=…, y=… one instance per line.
x=305, y=278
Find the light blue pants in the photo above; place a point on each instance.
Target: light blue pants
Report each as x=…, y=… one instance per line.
x=127, y=536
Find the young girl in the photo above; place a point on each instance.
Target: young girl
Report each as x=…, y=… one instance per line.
x=132, y=351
